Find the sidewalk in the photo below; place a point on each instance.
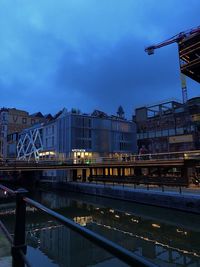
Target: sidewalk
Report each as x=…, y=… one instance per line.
x=5, y=256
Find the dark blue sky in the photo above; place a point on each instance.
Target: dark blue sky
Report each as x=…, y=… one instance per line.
x=89, y=54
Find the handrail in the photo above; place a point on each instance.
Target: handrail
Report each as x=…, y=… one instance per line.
x=118, y=251
x=19, y=247
x=70, y=160
x=7, y=190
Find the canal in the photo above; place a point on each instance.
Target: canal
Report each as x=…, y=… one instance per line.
x=165, y=237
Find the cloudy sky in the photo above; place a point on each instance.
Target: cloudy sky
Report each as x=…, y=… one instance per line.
x=89, y=54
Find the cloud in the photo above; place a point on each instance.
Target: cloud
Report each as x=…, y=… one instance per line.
x=114, y=75
x=90, y=54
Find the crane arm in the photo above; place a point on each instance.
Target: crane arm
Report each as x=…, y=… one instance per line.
x=174, y=39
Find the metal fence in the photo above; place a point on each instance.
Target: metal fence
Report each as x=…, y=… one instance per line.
x=194, y=154
x=18, y=243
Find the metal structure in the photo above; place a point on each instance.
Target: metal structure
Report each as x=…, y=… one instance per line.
x=189, y=55
x=30, y=144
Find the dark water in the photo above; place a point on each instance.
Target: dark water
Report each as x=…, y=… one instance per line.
x=168, y=238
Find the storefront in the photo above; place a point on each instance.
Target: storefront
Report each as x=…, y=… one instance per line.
x=81, y=156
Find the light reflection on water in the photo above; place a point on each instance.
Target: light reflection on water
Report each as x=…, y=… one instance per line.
x=168, y=238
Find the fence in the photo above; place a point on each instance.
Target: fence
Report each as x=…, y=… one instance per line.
x=18, y=243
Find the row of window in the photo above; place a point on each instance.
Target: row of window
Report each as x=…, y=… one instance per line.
x=168, y=132
x=83, y=133
x=24, y=121
x=82, y=122
x=124, y=146
x=83, y=144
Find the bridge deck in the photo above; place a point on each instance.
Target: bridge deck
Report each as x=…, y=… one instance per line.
x=29, y=166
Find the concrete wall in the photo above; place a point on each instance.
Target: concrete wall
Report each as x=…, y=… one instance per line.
x=177, y=201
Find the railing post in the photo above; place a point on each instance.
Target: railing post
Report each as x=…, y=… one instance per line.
x=163, y=188
x=180, y=189
x=19, y=242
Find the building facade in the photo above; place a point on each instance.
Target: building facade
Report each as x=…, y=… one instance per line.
x=169, y=126
x=78, y=137
x=12, y=122
x=70, y=135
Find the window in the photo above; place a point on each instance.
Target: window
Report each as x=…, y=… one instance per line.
x=144, y=135
x=24, y=120
x=158, y=133
x=165, y=132
x=179, y=130
x=32, y=121
x=171, y=131
x=151, y=134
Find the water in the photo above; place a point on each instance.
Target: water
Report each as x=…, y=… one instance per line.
x=166, y=237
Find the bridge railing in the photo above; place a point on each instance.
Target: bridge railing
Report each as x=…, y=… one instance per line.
x=183, y=155
x=18, y=243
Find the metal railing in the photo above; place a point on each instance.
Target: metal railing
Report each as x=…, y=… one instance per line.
x=18, y=243
x=193, y=154
x=163, y=187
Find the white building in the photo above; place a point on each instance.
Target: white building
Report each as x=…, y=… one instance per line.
x=80, y=137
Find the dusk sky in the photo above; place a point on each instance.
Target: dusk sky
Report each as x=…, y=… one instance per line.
x=89, y=54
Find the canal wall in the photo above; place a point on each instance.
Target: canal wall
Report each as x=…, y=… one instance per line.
x=184, y=202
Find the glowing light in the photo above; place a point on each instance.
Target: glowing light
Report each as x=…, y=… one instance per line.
x=155, y=225
x=83, y=221
x=134, y=220
x=181, y=231
x=166, y=246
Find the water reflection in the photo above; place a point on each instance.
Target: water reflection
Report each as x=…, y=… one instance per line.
x=168, y=238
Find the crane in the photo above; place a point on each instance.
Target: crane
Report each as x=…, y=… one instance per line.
x=178, y=38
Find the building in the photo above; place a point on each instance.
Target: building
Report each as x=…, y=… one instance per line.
x=189, y=57
x=169, y=126
x=12, y=122
x=79, y=137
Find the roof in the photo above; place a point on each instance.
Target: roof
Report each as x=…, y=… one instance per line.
x=37, y=114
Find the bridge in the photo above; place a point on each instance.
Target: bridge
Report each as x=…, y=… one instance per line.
x=176, y=168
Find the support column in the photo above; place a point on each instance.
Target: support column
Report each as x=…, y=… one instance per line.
x=104, y=172
x=83, y=175
x=74, y=175
x=118, y=172
x=123, y=171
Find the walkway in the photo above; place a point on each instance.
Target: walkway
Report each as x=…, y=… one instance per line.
x=5, y=256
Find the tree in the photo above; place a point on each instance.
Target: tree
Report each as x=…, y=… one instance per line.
x=120, y=112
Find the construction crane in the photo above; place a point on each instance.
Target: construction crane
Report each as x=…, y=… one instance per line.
x=178, y=38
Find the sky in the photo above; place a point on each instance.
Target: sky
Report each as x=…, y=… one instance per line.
x=89, y=54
